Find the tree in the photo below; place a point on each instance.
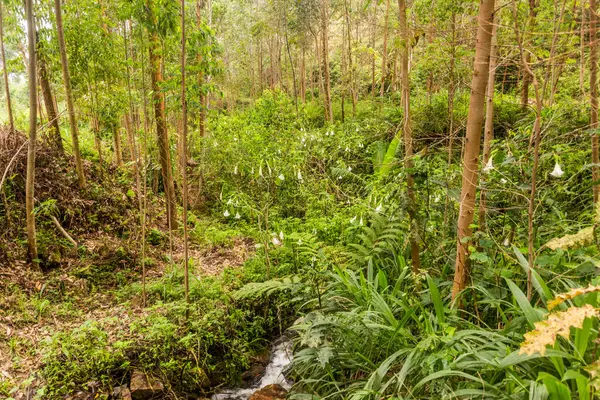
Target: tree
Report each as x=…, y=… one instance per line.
x=51, y=112
x=29, y=185
x=68, y=93
x=408, y=139
x=488, y=134
x=5, y=73
x=184, y=155
x=156, y=78
x=594, y=99
x=325, y=50
x=472, y=143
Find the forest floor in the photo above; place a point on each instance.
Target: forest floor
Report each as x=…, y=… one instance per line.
x=92, y=283
x=26, y=320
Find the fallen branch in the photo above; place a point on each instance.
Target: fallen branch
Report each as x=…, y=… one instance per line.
x=63, y=232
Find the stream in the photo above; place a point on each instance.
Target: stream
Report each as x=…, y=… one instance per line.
x=281, y=357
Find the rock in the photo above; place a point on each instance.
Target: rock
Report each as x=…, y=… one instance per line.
x=251, y=376
x=122, y=393
x=143, y=386
x=270, y=392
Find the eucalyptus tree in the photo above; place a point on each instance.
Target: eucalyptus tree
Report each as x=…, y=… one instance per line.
x=29, y=185
x=5, y=71
x=594, y=98
x=159, y=20
x=325, y=53
x=472, y=143
x=68, y=93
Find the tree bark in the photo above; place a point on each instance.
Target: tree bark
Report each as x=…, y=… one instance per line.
x=325, y=45
x=68, y=93
x=117, y=144
x=385, y=39
x=527, y=59
x=184, y=182
x=49, y=103
x=11, y=120
x=594, y=98
x=29, y=185
x=408, y=139
x=488, y=134
x=472, y=143
x=156, y=78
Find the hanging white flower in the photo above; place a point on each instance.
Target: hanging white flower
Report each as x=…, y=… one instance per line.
x=226, y=213
x=299, y=241
x=361, y=221
x=353, y=219
x=252, y=172
x=503, y=181
x=347, y=149
x=339, y=178
x=276, y=241
x=360, y=145
x=300, y=176
x=349, y=169
x=269, y=168
x=506, y=242
x=235, y=170
x=281, y=177
x=557, y=172
x=281, y=235
x=331, y=134
x=237, y=215
x=489, y=166
x=229, y=202
x=260, y=172
x=378, y=209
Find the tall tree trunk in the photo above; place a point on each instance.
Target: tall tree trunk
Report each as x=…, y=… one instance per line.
x=488, y=132
x=49, y=103
x=350, y=64
x=325, y=45
x=29, y=186
x=303, y=74
x=408, y=139
x=156, y=77
x=384, y=50
x=472, y=143
x=202, y=114
x=527, y=58
x=5, y=73
x=594, y=98
x=117, y=144
x=373, y=34
x=184, y=182
x=68, y=94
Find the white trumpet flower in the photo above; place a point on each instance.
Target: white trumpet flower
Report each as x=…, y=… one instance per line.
x=557, y=172
x=489, y=165
x=237, y=216
x=281, y=177
x=226, y=213
x=281, y=235
x=378, y=209
x=276, y=241
x=353, y=219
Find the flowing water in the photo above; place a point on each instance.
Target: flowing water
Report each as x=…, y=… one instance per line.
x=281, y=356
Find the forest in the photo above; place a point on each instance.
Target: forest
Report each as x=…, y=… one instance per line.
x=303, y=199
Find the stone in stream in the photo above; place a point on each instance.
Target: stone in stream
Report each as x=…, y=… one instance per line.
x=143, y=386
x=270, y=392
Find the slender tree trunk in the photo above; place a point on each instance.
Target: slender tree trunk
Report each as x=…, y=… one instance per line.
x=68, y=94
x=472, y=143
x=373, y=33
x=49, y=102
x=384, y=50
x=117, y=144
x=29, y=186
x=303, y=75
x=451, y=95
x=594, y=98
x=350, y=64
x=202, y=114
x=527, y=58
x=488, y=135
x=156, y=78
x=184, y=182
x=5, y=73
x=325, y=45
x=408, y=139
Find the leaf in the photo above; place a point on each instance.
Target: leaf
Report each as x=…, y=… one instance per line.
x=387, y=162
x=531, y=314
